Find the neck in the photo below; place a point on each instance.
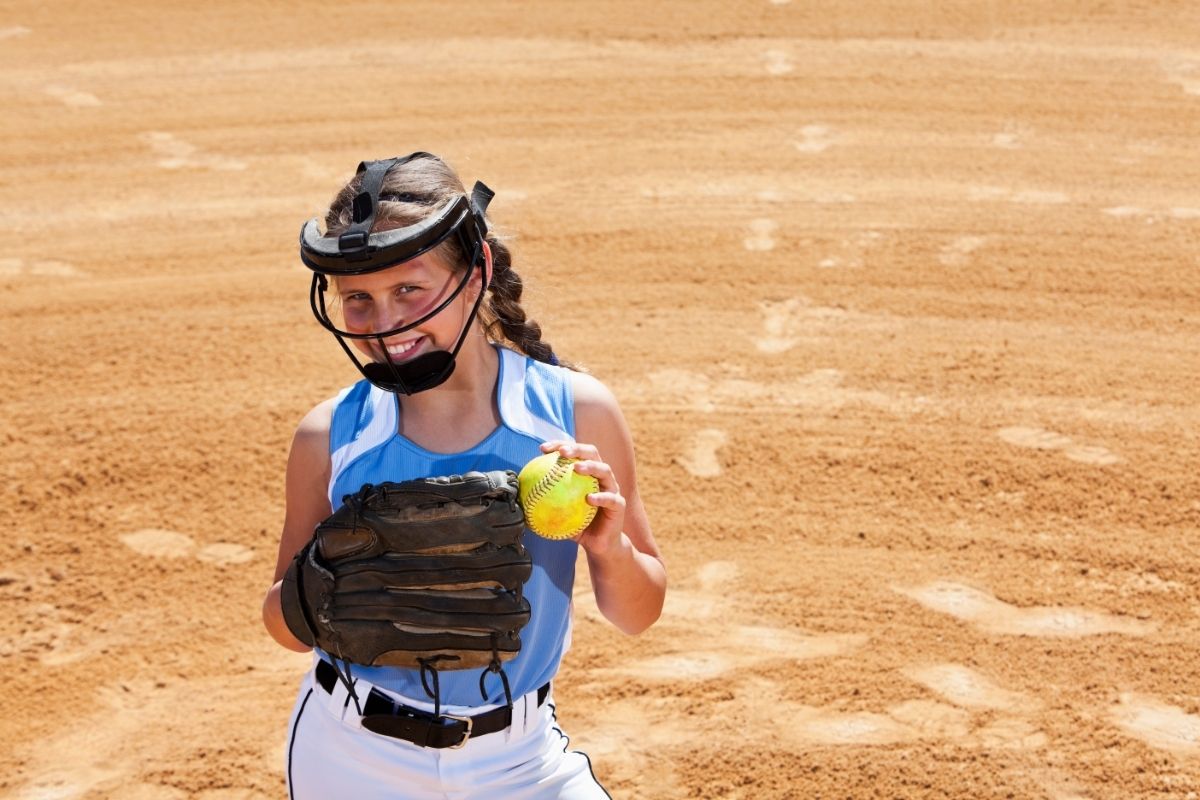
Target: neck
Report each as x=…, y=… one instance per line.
x=469, y=388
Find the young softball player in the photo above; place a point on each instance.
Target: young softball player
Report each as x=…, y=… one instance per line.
x=424, y=300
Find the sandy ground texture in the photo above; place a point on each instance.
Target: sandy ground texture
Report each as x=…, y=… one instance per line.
x=901, y=298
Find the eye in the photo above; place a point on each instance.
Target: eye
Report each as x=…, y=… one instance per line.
x=407, y=289
x=358, y=297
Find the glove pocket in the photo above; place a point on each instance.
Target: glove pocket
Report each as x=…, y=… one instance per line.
x=448, y=530
x=504, y=567
x=452, y=650
x=457, y=629
x=478, y=609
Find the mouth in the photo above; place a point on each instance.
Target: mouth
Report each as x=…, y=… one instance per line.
x=400, y=351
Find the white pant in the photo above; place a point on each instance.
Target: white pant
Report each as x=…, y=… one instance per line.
x=331, y=755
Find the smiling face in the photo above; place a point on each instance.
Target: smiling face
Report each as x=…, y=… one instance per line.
x=398, y=296
x=416, y=320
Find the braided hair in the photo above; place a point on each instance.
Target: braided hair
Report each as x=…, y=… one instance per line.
x=504, y=318
x=409, y=193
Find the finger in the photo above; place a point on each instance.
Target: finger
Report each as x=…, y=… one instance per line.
x=602, y=472
x=568, y=449
x=565, y=448
x=580, y=450
x=610, y=501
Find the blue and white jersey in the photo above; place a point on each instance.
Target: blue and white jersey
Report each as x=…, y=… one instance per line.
x=536, y=405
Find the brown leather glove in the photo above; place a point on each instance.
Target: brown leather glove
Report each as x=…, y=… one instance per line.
x=424, y=573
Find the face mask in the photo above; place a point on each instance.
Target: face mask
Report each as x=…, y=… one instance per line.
x=357, y=251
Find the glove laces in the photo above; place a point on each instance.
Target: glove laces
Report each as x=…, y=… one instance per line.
x=429, y=667
x=499, y=670
x=431, y=684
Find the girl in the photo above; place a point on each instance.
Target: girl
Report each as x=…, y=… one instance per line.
x=425, y=301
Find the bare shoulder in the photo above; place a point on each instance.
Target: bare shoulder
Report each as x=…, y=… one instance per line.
x=308, y=462
x=598, y=417
x=318, y=419
x=593, y=400
x=306, y=483
x=309, y=459
x=312, y=434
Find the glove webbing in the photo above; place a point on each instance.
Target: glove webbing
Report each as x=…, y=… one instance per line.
x=355, y=501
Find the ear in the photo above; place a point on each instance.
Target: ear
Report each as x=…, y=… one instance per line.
x=487, y=265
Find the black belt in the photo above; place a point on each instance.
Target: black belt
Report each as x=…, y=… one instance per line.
x=384, y=716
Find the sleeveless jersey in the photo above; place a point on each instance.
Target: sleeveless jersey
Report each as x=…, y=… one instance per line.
x=536, y=405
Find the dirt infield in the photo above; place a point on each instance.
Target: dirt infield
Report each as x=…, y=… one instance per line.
x=902, y=300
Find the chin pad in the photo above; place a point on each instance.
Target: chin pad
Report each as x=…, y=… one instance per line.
x=423, y=372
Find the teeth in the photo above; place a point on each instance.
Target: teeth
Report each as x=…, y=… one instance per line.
x=402, y=348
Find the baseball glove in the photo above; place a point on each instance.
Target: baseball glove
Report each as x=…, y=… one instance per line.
x=423, y=574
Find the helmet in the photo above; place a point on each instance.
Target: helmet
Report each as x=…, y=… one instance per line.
x=358, y=251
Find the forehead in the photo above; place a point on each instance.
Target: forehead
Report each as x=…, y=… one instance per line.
x=427, y=267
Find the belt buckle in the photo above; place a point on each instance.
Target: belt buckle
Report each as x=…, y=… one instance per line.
x=466, y=734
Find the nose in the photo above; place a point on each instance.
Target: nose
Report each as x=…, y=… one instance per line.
x=386, y=317
x=389, y=322
x=378, y=318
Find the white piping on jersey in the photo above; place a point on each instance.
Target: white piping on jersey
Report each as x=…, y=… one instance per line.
x=513, y=409
x=381, y=428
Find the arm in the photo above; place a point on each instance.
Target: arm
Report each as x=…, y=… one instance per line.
x=629, y=578
x=307, y=487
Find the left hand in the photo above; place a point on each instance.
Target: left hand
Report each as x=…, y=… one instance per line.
x=603, y=535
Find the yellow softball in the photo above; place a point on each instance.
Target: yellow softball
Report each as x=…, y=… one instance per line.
x=554, y=496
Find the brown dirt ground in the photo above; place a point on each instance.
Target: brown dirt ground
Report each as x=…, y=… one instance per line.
x=901, y=298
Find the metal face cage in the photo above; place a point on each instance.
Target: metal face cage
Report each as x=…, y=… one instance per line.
x=357, y=251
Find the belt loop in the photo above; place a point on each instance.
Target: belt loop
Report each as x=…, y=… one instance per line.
x=518, y=718
x=339, y=701
x=348, y=708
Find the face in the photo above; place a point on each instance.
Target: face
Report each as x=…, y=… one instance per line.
x=397, y=296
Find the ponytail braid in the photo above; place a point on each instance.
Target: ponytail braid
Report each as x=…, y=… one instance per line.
x=507, y=319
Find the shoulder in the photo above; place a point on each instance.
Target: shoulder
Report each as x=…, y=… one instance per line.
x=312, y=434
x=597, y=411
x=307, y=482
x=589, y=391
x=318, y=419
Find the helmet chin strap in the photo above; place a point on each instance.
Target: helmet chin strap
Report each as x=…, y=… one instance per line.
x=358, y=251
x=422, y=373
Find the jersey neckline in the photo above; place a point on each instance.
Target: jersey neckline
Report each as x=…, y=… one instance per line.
x=492, y=434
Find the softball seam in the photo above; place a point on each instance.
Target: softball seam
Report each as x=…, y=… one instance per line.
x=539, y=490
